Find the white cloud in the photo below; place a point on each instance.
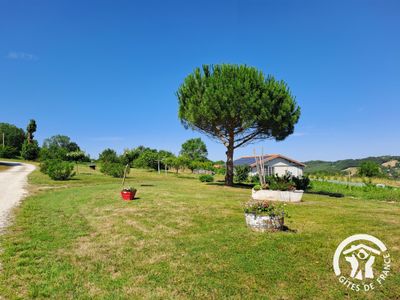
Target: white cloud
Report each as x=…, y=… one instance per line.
x=21, y=56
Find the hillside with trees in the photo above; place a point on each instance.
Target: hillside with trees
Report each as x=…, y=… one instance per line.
x=389, y=165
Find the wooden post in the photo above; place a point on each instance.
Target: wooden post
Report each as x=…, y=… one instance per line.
x=159, y=171
x=123, y=180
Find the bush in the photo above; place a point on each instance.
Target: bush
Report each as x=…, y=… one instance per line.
x=206, y=178
x=254, y=179
x=44, y=165
x=283, y=183
x=369, y=169
x=57, y=169
x=257, y=187
x=302, y=183
x=241, y=173
x=30, y=151
x=113, y=169
x=8, y=152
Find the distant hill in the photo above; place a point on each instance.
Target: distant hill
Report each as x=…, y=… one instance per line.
x=315, y=166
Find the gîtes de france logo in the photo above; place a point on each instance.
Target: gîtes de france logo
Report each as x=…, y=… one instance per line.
x=365, y=261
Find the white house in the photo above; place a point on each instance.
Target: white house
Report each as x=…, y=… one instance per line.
x=274, y=164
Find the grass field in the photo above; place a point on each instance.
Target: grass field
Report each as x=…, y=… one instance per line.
x=364, y=193
x=374, y=180
x=180, y=239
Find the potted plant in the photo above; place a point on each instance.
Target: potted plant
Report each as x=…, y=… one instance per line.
x=264, y=215
x=128, y=193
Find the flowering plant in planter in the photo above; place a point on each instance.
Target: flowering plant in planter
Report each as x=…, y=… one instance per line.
x=265, y=208
x=128, y=193
x=264, y=215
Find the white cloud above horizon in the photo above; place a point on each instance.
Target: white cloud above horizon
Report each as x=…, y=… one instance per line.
x=16, y=55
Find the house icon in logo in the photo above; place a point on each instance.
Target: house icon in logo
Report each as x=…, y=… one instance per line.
x=361, y=259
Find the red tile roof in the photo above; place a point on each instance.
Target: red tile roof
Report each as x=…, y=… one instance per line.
x=269, y=157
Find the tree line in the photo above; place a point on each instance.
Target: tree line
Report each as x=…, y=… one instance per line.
x=192, y=156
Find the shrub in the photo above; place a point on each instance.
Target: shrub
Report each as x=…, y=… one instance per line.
x=254, y=179
x=30, y=151
x=206, y=178
x=283, y=183
x=8, y=152
x=369, y=169
x=57, y=169
x=257, y=187
x=302, y=183
x=44, y=165
x=241, y=173
x=113, y=169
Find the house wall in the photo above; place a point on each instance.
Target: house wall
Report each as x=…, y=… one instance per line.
x=282, y=167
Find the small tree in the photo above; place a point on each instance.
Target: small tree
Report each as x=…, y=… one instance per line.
x=176, y=163
x=57, y=147
x=30, y=150
x=172, y=162
x=148, y=159
x=200, y=165
x=369, y=169
x=30, y=130
x=236, y=105
x=76, y=156
x=14, y=137
x=195, y=149
x=108, y=155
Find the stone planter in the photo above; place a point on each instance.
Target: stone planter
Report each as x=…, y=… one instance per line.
x=284, y=196
x=263, y=223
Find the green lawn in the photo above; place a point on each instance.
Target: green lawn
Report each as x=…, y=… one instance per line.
x=180, y=239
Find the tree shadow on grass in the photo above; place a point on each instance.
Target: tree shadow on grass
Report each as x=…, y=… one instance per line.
x=329, y=194
x=247, y=186
x=185, y=177
x=9, y=164
x=287, y=229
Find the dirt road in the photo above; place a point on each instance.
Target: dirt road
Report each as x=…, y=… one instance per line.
x=13, y=183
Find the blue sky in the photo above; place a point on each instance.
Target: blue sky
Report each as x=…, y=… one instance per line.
x=105, y=73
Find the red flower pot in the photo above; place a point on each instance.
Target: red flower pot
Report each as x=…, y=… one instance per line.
x=126, y=195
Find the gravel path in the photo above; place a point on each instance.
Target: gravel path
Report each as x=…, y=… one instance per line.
x=13, y=183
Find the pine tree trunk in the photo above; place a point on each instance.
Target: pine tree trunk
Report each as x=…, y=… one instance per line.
x=229, y=165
